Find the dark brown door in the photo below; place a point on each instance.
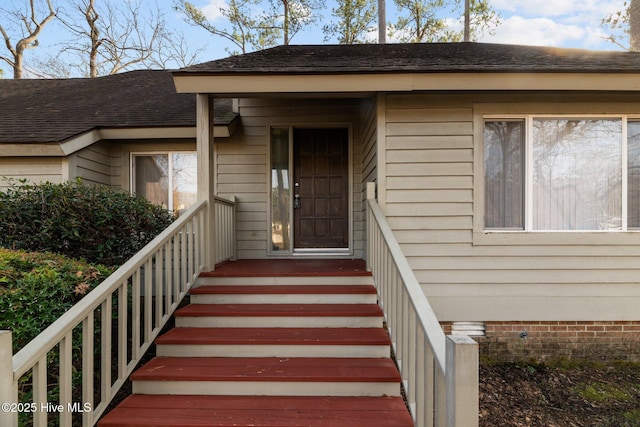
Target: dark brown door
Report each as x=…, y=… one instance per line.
x=321, y=188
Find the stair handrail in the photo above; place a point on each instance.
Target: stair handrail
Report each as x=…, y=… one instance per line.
x=166, y=267
x=439, y=373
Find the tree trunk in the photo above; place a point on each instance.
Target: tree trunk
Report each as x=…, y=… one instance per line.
x=382, y=22
x=634, y=25
x=17, y=65
x=467, y=21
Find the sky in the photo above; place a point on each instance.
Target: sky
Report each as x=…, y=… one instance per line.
x=558, y=23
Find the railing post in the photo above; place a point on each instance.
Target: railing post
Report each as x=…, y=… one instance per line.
x=234, y=233
x=8, y=393
x=462, y=379
x=370, y=195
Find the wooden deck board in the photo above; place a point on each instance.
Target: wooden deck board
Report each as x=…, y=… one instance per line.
x=276, y=310
x=284, y=290
x=278, y=336
x=260, y=411
x=268, y=369
x=290, y=267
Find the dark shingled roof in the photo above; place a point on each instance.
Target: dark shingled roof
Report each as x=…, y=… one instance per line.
x=41, y=111
x=421, y=58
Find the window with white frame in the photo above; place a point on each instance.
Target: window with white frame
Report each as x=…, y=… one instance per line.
x=562, y=173
x=168, y=179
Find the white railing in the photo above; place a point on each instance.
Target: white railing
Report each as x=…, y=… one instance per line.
x=439, y=373
x=116, y=324
x=225, y=223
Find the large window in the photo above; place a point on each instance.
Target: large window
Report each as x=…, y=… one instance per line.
x=562, y=174
x=167, y=179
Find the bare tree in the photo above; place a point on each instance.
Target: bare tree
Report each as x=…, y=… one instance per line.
x=29, y=27
x=175, y=51
x=624, y=25
x=114, y=36
x=634, y=25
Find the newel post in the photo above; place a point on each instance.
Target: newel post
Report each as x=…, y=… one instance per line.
x=462, y=378
x=8, y=393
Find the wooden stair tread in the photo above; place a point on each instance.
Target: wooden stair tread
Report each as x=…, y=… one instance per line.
x=283, y=290
x=268, y=369
x=260, y=411
x=277, y=336
x=252, y=310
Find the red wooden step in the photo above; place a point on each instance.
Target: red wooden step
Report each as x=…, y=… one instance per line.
x=283, y=289
x=271, y=369
x=259, y=411
x=279, y=310
x=275, y=336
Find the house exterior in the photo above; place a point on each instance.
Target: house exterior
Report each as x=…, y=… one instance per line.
x=508, y=174
x=123, y=130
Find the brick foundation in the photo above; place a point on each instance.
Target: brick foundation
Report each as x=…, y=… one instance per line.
x=594, y=341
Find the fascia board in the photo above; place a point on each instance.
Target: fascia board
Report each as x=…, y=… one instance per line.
x=348, y=83
x=20, y=149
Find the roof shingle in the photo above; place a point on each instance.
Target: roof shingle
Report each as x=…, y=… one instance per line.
x=54, y=110
x=418, y=57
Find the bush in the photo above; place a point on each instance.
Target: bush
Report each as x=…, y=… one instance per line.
x=37, y=288
x=97, y=223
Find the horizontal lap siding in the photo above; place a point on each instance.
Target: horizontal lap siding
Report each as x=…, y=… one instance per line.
x=93, y=164
x=34, y=169
x=365, y=158
x=429, y=166
x=242, y=161
x=430, y=206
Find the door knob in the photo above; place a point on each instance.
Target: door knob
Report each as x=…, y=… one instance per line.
x=296, y=201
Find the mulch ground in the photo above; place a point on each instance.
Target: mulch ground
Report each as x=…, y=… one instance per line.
x=512, y=395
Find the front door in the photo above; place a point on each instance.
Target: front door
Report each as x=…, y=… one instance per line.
x=321, y=188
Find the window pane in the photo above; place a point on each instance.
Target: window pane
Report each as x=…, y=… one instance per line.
x=633, y=174
x=577, y=174
x=280, y=190
x=152, y=178
x=184, y=185
x=504, y=174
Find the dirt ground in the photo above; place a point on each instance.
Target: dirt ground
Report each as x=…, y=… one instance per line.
x=512, y=395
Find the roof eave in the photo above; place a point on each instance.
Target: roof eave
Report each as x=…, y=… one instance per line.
x=227, y=84
x=78, y=142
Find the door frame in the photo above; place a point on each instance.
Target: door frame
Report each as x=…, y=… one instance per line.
x=311, y=252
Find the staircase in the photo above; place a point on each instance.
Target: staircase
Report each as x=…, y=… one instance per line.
x=288, y=350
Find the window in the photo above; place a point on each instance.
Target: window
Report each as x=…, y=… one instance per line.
x=562, y=174
x=167, y=179
x=280, y=191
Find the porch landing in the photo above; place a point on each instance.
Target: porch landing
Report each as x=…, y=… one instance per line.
x=289, y=268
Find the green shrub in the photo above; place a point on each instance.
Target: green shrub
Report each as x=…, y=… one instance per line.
x=97, y=223
x=37, y=288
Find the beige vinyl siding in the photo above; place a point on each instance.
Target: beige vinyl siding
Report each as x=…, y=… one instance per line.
x=364, y=165
x=433, y=203
x=34, y=169
x=242, y=161
x=93, y=164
